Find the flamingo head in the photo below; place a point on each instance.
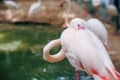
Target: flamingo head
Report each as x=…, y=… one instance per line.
x=112, y=10
x=96, y=3
x=77, y=23
x=62, y=2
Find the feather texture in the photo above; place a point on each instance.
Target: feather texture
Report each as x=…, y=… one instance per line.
x=35, y=7
x=84, y=47
x=10, y=4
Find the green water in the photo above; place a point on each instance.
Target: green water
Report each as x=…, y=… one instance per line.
x=26, y=63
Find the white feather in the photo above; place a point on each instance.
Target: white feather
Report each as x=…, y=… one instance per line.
x=82, y=50
x=10, y=4
x=83, y=46
x=97, y=27
x=35, y=7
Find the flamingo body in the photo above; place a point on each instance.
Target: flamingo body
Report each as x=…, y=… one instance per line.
x=94, y=39
x=112, y=10
x=86, y=55
x=74, y=22
x=81, y=46
x=35, y=7
x=96, y=3
x=97, y=27
x=10, y=4
x=86, y=52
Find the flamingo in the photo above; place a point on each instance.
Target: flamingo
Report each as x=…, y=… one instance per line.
x=94, y=24
x=83, y=43
x=62, y=2
x=98, y=28
x=61, y=54
x=11, y=4
x=96, y=3
x=77, y=45
x=67, y=12
x=112, y=10
x=34, y=9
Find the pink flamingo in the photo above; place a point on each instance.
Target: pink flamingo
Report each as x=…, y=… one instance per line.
x=98, y=28
x=88, y=47
x=11, y=4
x=96, y=3
x=86, y=52
x=112, y=10
x=34, y=9
x=61, y=54
x=68, y=11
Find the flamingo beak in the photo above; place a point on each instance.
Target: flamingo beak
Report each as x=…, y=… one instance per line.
x=62, y=2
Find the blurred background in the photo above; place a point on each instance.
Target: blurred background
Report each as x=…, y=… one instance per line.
x=23, y=36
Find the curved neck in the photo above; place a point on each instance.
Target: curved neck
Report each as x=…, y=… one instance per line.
x=53, y=58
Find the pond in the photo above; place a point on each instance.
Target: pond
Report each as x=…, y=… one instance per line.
x=21, y=53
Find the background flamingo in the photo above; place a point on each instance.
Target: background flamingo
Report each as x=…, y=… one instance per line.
x=94, y=25
x=67, y=12
x=96, y=3
x=98, y=28
x=34, y=9
x=11, y=4
x=112, y=10
x=61, y=54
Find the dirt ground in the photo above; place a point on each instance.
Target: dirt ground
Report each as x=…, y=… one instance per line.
x=115, y=50
x=52, y=13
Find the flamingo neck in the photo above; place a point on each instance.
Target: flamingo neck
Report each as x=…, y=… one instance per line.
x=68, y=10
x=53, y=58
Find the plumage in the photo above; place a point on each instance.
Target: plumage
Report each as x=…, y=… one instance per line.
x=74, y=22
x=35, y=7
x=67, y=11
x=83, y=47
x=98, y=28
x=112, y=10
x=96, y=3
x=86, y=52
x=10, y=4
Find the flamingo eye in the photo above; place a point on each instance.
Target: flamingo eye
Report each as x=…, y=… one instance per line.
x=80, y=27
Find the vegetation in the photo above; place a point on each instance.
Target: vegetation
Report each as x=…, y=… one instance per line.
x=27, y=62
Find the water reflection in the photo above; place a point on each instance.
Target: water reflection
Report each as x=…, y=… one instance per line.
x=22, y=64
